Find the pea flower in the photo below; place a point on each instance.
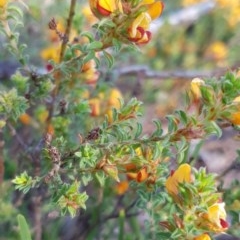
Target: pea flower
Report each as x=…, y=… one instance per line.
x=130, y=17
x=122, y=187
x=139, y=176
x=104, y=8
x=214, y=219
x=138, y=30
x=204, y=236
x=181, y=175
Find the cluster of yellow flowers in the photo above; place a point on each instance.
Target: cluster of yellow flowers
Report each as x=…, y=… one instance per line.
x=233, y=10
x=132, y=18
x=103, y=103
x=3, y=3
x=211, y=220
x=218, y=52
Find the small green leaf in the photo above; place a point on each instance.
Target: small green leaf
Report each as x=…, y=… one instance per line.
x=100, y=177
x=88, y=35
x=78, y=154
x=183, y=116
x=172, y=123
x=213, y=128
x=108, y=58
x=89, y=56
x=139, y=130
x=116, y=44
x=24, y=228
x=94, y=45
x=158, y=132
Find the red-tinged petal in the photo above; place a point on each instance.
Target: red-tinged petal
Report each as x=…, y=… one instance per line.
x=106, y=7
x=143, y=20
x=49, y=67
x=139, y=34
x=103, y=11
x=142, y=175
x=224, y=223
x=141, y=30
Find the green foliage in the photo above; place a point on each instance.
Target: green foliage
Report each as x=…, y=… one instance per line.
x=85, y=148
x=72, y=199
x=23, y=228
x=12, y=105
x=24, y=182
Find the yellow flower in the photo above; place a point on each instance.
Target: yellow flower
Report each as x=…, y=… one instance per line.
x=202, y=237
x=3, y=3
x=181, y=175
x=104, y=8
x=195, y=88
x=214, y=219
x=138, y=30
x=217, y=51
x=51, y=53
x=114, y=98
x=113, y=101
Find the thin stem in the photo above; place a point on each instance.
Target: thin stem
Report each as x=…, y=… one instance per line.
x=68, y=28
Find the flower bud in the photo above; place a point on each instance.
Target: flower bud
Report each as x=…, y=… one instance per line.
x=195, y=88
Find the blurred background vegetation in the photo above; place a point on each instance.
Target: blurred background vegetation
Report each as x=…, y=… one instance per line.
x=193, y=38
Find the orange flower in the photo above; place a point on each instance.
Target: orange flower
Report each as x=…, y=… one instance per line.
x=140, y=176
x=95, y=106
x=203, y=237
x=25, y=119
x=181, y=175
x=122, y=187
x=214, y=219
x=50, y=129
x=235, y=117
